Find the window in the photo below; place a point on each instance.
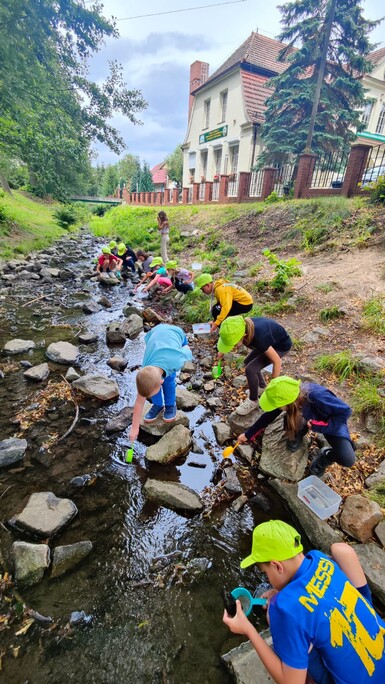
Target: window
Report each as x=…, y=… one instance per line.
x=191, y=166
x=204, y=163
x=217, y=161
x=206, y=114
x=223, y=99
x=381, y=121
x=367, y=113
x=234, y=153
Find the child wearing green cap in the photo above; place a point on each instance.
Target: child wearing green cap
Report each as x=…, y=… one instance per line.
x=157, y=268
x=181, y=279
x=268, y=341
x=231, y=299
x=108, y=262
x=308, y=406
x=321, y=618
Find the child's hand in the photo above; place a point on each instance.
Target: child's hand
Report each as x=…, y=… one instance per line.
x=239, y=624
x=242, y=438
x=133, y=435
x=213, y=327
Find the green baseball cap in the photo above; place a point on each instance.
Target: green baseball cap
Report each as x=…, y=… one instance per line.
x=279, y=392
x=273, y=540
x=203, y=279
x=231, y=331
x=172, y=264
x=121, y=248
x=157, y=261
x=113, y=244
x=106, y=250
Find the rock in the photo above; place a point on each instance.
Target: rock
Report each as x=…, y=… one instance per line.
x=107, y=281
x=67, y=557
x=12, y=264
x=79, y=617
x=232, y=483
x=28, y=275
x=320, y=534
x=62, y=352
x=31, y=561
x=117, y=363
x=379, y=531
x=80, y=480
x=87, y=338
x=222, y=432
x=239, y=424
x=18, y=346
x=247, y=452
x=66, y=274
x=189, y=367
x=91, y=307
x=196, y=568
x=132, y=326
x=261, y=501
x=150, y=316
x=37, y=373
x=121, y=421
x=239, y=503
x=12, y=451
x=8, y=277
x=372, y=559
x=130, y=309
x=49, y=272
x=25, y=364
x=159, y=428
x=72, y=375
x=197, y=384
x=209, y=386
x=114, y=334
x=97, y=386
x=214, y=402
x=173, y=495
x=186, y=400
x=239, y=381
x=245, y=665
x=276, y=459
x=103, y=301
x=45, y=514
x=373, y=422
x=372, y=364
x=173, y=444
x=359, y=517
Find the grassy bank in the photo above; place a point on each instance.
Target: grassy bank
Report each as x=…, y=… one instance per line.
x=26, y=224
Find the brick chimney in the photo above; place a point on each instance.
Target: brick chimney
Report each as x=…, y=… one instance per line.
x=199, y=73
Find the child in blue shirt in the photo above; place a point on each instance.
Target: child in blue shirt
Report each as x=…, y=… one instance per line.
x=321, y=623
x=166, y=352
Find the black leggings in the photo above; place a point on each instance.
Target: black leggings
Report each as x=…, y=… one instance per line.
x=235, y=310
x=341, y=451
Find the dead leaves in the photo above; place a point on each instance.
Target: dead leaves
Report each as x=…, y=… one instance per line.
x=52, y=392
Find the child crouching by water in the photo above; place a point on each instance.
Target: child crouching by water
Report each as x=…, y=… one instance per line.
x=181, y=279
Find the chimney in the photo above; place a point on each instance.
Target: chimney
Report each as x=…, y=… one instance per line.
x=199, y=73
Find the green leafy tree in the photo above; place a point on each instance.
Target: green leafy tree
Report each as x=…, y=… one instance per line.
x=146, y=184
x=110, y=180
x=342, y=95
x=127, y=168
x=174, y=165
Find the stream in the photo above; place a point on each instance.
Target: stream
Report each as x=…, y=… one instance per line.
x=152, y=620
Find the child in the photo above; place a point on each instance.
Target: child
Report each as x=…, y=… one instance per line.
x=128, y=257
x=166, y=352
x=181, y=278
x=157, y=278
x=113, y=247
x=157, y=268
x=308, y=406
x=231, y=299
x=108, y=262
x=164, y=230
x=268, y=341
x=145, y=260
x=321, y=620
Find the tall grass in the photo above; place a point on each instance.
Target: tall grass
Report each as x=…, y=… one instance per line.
x=374, y=315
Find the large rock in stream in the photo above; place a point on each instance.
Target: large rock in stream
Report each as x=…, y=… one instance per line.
x=67, y=557
x=37, y=373
x=159, y=428
x=172, y=445
x=276, y=459
x=30, y=561
x=12, y=450
x=97, y=386
x=132, y=326
x=121, y=421
x=186, y=400
x=173, y=495
x=44, y=515
x=245, y=665
x=63, y=352
x=18, y=346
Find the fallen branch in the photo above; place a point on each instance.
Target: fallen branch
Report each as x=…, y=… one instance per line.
x=75, y=420
x=34, y=300
x=5, y=491
x=304, y=285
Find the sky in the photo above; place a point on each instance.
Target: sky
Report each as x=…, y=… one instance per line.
x=156, y=53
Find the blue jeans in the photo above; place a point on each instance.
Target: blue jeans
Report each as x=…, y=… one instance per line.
x=167, y=391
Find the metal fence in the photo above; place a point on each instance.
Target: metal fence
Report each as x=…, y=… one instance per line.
x=232, y=186
x=375, y=166
x=190, y=195
x=255, y=183
x=215, y=192
x=285, y=176
x=329, y=171
x=202, y=189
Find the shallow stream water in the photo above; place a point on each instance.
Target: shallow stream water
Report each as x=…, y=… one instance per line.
x=151, y=623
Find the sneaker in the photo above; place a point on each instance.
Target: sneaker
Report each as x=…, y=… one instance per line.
x=321, y=462
x=153, y=413
x=169, y=413
x=247, y=407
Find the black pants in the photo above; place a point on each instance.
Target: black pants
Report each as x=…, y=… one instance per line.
x=341, y=451
x=235, y=310
x=183, y=287
x=254, y=363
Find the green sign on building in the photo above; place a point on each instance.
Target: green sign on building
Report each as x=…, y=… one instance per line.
x=213, y=135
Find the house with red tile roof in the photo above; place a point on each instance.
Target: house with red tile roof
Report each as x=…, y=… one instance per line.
x=160, y=178
x=226, y=108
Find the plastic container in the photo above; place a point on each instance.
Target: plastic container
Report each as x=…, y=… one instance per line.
x=196, y=266
x=201, y=328
x=268, y=369
x=317, y=496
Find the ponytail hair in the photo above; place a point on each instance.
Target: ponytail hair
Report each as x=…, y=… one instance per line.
x=293, y=418
x=249, y=334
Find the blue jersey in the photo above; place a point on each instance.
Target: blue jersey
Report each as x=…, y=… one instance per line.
x=166, y=348
x=320, y=607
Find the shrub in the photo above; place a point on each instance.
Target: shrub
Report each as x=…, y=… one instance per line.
x=284, y=270
x=377, y=194
x=330, y=314
x=374, y=315
x=272, y=198
x=100, y=209
x=3, y=213
x=65, y=216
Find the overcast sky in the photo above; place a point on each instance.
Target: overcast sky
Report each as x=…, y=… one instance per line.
x=156, y=53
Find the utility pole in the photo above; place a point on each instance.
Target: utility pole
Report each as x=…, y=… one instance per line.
x=321, y=74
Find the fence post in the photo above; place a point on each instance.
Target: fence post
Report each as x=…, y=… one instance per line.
x=208, y=192
x=355, y=168
x=195, y=196
x=126, y=196
x=268, y=181
x=222, y=199
x=184, y=195
x=244, y=185
x=166, y=196
x=306, y=163
x=175, y=195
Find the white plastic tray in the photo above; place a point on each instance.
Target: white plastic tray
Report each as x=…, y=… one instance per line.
x=317, y=496
x=201, y=328
x=196, y=266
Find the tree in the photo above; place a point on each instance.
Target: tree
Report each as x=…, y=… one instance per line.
x=48, y=104
x=127, y=168
x=110, y=180
x=146, y=184
x=174, y=165
x=342, y=95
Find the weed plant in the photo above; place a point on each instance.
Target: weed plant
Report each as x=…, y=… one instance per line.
x=374, y=315
x=342, y=364
x=377, y=493
x=325, y=287
x=331, y=313
x=285, y=270
x=196, y=307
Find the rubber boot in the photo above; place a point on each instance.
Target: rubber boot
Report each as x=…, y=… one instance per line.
x=321, y=462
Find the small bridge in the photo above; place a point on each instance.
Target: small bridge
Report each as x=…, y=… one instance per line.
x=97, y=200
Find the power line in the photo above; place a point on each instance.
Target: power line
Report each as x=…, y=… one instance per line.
x=185, y=9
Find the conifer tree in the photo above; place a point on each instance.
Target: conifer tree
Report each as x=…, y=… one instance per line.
x=342, y=96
